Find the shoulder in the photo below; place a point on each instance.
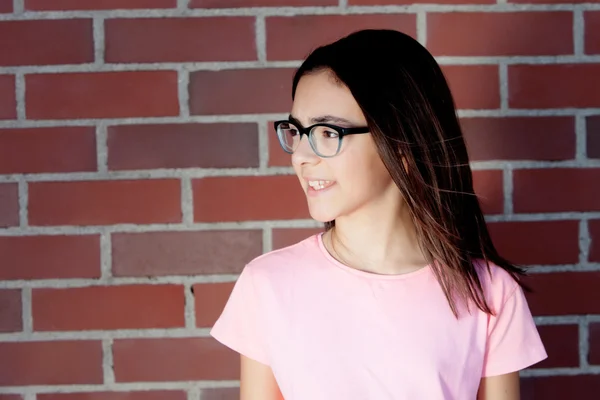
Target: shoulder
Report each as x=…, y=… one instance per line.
x=498, y=284
x=285, y=261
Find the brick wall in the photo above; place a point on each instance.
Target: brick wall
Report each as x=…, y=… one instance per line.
x=138, y=167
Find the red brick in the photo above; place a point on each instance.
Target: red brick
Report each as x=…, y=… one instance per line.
x=537, y=242
x=293, y=38
x=184, y=253
x=145, y=395
x=102, y=95
x=50, y=257
x=559, y=387
x=520, y=138
x=49, y=41
x=180, y=39
x=259, y=3
x=210, y=299
x=105, y=202
x=180, y=359
x=594, y=349
x=232, y=393
x=249, y=91
x=554, y=85
x=562, y=344
x=500, y=34
x=287, y=237
x=38, y=150
x=219, y=145
x=556, y=190
x=108, y=307
x=564, y=293
x=594, y=228
x=9, y=205
x=474, y=86
x=10, y=310
x=243, y=198
x=488, y=186
x=51, y=363
x=48, y=5
x=593, y=136
x=592, y=32
x=10, y=396
x=8, y=99
x=6, y=6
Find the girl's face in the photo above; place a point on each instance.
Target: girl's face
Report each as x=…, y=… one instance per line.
x=354, y=179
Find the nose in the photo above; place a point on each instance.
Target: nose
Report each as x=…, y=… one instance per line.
x=304, y=153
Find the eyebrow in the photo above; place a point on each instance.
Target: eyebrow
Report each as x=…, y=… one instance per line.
x=324, y=119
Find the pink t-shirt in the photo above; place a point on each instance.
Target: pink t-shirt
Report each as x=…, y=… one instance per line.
x=329, y=331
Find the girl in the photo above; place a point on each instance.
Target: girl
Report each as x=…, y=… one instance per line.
x=404, y=295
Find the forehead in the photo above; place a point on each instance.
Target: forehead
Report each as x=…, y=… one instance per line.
x=319, y=94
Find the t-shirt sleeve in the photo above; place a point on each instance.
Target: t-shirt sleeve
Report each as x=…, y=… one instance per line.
x=239, y=326
x=513, y=340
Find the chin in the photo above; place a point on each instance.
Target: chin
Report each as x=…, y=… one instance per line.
x=321, y=215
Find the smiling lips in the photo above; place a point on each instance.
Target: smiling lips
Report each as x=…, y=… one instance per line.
x=318, y=185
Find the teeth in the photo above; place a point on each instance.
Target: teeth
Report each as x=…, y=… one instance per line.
x=318, y=185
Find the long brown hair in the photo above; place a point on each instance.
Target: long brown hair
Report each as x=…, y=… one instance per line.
x=412, y=117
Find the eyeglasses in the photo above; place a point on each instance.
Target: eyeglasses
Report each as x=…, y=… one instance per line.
x=324, y=139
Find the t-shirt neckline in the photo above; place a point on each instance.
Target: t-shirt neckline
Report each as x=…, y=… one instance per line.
x=365, y=274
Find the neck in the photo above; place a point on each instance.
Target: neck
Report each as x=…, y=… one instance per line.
x=373, y=241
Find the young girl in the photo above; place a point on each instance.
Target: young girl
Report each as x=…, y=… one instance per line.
x=404, y=295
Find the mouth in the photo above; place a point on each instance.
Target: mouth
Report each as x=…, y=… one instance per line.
x=316, y=186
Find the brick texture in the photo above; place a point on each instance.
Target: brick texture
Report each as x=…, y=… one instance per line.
x=184, y=253
x=39, y=150
x=50, y=257
x=180, y=39
x=520, y=138
x=293, y=38
x=239, y=199
x=537, y=242
x=105, y=202
x=528, y=85
x=561, y=342
x=34, y=363
x=9, y=204
x=474, y=86
x=564, y=293
x=8, y=100
x=592, y=32
x=112, y=307
x=241, y=91
x=555, y=190
x=102, y=95
x=47, y=5
x=143, y=360
x=500, y=34
x=43, y=42
x=140, y=172
x=183, y=146
x=10, y=310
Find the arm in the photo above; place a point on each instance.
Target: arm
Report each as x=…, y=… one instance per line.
x=501, y=387
x=257, y=381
